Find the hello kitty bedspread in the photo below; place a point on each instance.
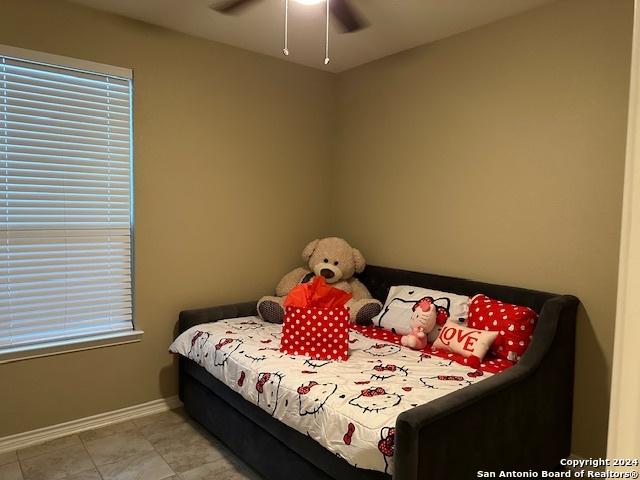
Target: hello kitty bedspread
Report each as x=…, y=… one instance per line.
x=348, y=407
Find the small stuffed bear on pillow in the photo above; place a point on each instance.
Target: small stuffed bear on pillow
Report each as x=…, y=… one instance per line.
x=335, y=260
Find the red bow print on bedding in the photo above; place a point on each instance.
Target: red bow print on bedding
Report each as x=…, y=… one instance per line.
x=347, y=436
x=223, y=342
x=372, y=392
x=387, y=442
x=382, y=368
x=261, y=382
x=303, y=390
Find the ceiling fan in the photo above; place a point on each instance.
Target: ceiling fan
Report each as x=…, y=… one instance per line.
x=342, y=11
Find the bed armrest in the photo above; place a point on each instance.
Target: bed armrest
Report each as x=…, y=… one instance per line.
x=190, y=318
x=519, y=419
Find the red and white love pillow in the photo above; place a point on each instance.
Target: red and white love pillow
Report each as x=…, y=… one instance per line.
x=471, y=343
x=513, y=323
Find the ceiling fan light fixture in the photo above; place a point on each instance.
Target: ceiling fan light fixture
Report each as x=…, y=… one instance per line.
x=344, y=14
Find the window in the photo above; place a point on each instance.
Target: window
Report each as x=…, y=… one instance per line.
x=65, y=204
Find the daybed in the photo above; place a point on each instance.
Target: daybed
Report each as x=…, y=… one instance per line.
x=519, y=419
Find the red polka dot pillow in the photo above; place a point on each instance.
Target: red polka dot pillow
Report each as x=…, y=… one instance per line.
x=321, y=333
x=513, y=323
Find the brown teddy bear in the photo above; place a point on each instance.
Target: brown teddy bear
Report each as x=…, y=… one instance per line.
x=336, y=261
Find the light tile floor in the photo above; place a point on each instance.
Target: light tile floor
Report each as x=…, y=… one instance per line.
x=166, y=446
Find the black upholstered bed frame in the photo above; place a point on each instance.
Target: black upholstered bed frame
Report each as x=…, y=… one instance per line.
x=517, y=420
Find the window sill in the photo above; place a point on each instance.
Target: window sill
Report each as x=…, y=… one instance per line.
x=67, y=346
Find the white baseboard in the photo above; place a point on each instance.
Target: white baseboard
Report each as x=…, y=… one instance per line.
x=40, y=435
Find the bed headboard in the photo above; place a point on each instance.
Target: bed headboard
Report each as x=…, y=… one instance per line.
x=379, y=279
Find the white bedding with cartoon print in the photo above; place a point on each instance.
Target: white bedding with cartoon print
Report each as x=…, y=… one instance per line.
x=348, y=407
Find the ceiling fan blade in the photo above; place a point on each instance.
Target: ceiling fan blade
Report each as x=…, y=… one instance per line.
x=347, y=16
x=230, y=6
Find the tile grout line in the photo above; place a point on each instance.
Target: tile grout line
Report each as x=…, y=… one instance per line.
x=139, y=431
x=162, y=457
x=20, y=466
x=24, y=477
x=19, y=460
x=126, y=457
x=156, y=450
x=89, y=455
x=178, y=475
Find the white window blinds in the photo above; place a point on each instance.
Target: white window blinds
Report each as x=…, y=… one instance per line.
x=65, y=204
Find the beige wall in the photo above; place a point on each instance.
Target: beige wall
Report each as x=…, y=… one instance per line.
x=224, y=139
x=498, y=154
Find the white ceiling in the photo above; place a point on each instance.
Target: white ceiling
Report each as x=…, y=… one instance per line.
x=395, y=25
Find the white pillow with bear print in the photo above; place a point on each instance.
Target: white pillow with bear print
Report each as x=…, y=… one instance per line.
x=401, y=300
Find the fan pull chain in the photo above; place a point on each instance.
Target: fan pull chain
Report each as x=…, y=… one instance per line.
x=326, y=38
x=285, y=50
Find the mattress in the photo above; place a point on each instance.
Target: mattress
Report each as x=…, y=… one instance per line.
x=349, y=407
